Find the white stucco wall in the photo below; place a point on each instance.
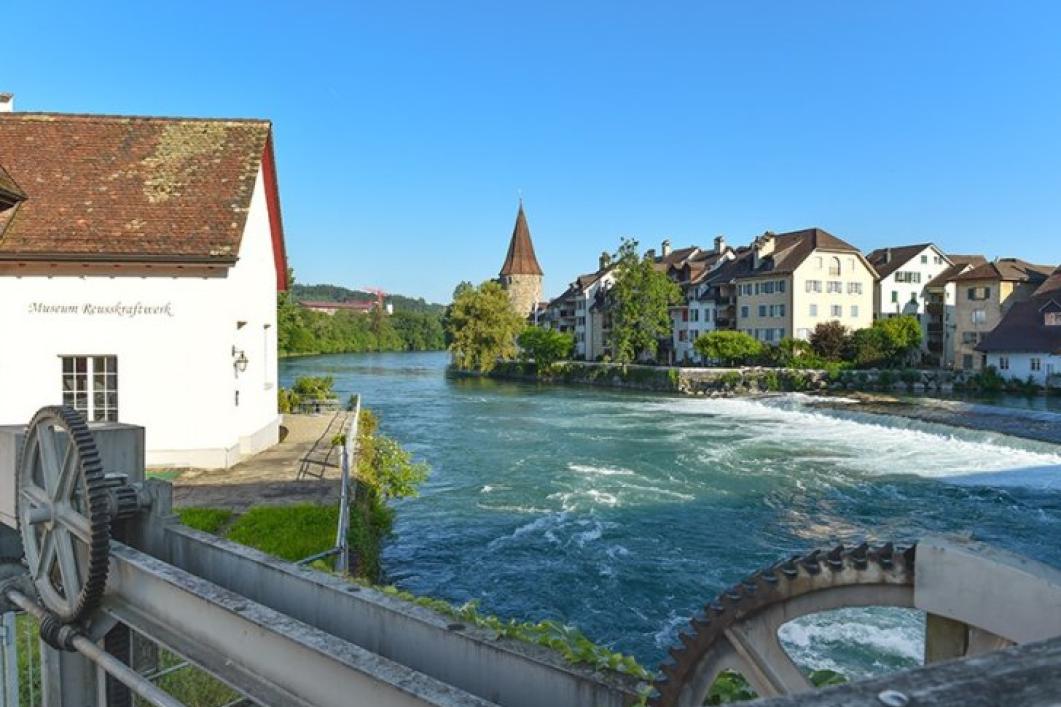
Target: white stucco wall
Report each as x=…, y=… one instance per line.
x=175, y=365
x=910, y=297
x=1020, y=365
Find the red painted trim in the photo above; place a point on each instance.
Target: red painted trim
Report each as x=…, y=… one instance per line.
x=276, y=225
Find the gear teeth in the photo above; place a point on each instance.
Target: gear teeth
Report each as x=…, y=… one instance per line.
x=769, y=576
x=811, y=562
x=716, y=607
x=835, y=558
x=886, y=556
x=733, y=593
x=700, y=619
x=751, y=584
x=788, y=568
x=909, y=555
x=688, y=640
x=859, y=556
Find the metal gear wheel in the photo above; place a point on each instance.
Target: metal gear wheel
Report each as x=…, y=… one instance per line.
x=63, y=512
x=738, y=630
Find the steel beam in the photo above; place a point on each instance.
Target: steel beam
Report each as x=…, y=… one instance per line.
x=272, y=658
x=504, y=671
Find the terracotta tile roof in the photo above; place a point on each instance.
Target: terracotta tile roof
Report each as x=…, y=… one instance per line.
x=888, y=260
x=959, y=264
x=129, y=188
x=792, y=248
x=1008, y=270
x=9, y=190
x=520, y=259
x=1023, y=329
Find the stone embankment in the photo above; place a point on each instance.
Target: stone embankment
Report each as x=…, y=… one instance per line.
x=730, y=382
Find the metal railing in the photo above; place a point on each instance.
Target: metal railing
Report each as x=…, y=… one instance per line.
x=347, y=490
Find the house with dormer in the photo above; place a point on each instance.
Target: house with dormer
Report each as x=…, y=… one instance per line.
x=140, y=260
x=1026, y=344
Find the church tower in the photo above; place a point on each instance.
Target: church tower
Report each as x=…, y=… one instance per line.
x=521, y=275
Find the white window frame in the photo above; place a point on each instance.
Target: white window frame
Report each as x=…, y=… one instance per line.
x=93, y=390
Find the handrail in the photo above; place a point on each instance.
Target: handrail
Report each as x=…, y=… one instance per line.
x=347, y=490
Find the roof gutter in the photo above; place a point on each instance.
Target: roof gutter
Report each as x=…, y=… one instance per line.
x=118, y=258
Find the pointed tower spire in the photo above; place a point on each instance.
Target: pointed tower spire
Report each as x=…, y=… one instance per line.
x=521, y=259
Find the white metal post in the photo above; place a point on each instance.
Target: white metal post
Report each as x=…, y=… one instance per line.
x=9, y=665
x=346, y=491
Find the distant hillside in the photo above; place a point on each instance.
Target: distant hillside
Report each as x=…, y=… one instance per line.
x=335, y=293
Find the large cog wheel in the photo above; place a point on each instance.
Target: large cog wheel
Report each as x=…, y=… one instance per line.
x=64, y=514
x=738, y=630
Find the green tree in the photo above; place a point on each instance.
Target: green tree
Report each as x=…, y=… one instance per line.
x=831, y=340
x=639, y=302
x=418, y=331
x=545, y=346
x=482, y=327
x=903, y=335
x=729, y=347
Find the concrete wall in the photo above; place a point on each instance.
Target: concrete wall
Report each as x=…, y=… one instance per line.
x=175, y=365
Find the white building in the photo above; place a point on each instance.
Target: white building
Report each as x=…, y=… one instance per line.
x=139, y=264
x=1026, y=344
x=905, y=272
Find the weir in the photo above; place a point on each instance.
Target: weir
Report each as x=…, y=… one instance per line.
x=108, y=568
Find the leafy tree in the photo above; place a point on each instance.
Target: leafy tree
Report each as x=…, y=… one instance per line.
x=831, y=340
x=729, y=347
x=545, y=346
x=418, y=331
x=639, y=302
x=903, y=335
x=482, y=327
x=889, y=342
x=300, y=330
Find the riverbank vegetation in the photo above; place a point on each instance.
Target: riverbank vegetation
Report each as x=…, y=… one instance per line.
x=482, y=326
x=639, y=304
x=414, y=326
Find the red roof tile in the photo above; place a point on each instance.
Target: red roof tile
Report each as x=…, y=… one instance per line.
x=520, y=259
x=129, y=188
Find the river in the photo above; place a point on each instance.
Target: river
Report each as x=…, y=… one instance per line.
x=622, y=513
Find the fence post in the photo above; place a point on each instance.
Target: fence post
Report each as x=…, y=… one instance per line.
x=348, y=460
x=9, y=665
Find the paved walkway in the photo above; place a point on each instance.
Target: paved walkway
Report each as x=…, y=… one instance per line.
x=268, y=478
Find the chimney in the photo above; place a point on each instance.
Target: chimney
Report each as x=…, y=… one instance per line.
x=887, y=255
x=7, y=102
x=605, y=260
x=650, y=253
x=720, y=244
x=762, y=247
x=665, y=248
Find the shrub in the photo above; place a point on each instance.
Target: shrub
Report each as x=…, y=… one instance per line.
x=545, y=347
x=831, y=341
x=910, y=376
x=886, y=378
x=729, y=347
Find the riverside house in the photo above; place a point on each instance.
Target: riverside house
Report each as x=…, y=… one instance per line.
x=140, y=260
x=903, y=275
x=941, y=294
x=798, y=280
x=984, y=295
x=1026, y=344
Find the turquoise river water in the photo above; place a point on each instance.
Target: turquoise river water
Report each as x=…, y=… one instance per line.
x=623, y=513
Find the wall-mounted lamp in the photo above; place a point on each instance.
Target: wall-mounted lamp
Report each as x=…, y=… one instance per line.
x=239, y=359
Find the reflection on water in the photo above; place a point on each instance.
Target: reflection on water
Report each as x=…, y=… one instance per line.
x=623, y=513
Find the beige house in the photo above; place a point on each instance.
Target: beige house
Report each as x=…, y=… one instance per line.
x=984, y=295
x=800, y=279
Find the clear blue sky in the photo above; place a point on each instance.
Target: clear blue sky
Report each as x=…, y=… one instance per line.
x=404, y=130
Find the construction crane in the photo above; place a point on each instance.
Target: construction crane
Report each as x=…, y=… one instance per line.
x=380, y=297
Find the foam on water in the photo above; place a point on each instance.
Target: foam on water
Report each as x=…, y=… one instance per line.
x=901, y=447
